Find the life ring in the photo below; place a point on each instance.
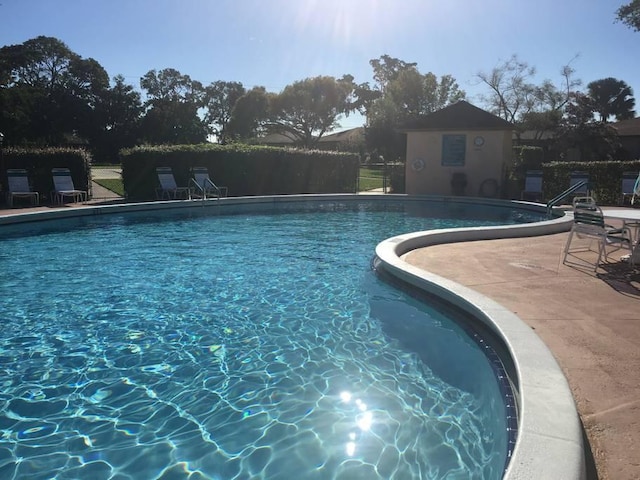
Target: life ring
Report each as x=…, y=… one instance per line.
x=489, y=188
x=417, y=164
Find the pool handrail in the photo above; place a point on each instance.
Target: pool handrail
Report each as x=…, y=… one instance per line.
x=558, y=198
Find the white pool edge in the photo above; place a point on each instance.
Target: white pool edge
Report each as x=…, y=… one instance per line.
x=549, y=442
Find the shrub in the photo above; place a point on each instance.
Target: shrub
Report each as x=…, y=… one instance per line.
x=605, y=178
x=243, y=169
x=39, y=161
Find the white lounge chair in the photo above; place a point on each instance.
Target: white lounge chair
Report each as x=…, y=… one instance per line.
x=19, y=187
x=168, y=187
x=64, y=188
x=204, y=186
x=588, y=224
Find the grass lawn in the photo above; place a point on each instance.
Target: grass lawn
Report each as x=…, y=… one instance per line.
x=113, y=184
x=370, y=178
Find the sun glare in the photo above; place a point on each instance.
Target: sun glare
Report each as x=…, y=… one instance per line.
x=344, y=23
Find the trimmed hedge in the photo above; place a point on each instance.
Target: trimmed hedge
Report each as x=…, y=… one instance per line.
x=605, y=178
x=39, y=161
x=243, y=169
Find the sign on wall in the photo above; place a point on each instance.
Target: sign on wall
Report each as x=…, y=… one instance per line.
x=454, y=148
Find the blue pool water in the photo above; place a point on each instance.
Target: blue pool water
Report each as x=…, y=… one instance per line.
x=244, y=346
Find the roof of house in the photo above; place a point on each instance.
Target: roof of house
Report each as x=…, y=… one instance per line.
x=458, y=116
x=274, y=138
x=350, y=135
x=628, y=128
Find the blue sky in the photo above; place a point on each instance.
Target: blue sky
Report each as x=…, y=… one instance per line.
x=276, y=42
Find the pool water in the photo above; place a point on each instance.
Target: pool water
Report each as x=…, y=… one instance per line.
x=240, y=346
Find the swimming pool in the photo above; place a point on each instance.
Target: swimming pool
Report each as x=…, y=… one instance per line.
x=155, y=345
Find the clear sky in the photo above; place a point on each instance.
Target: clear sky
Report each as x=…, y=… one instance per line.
x=274, y=43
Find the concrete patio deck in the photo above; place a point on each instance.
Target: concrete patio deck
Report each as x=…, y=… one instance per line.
x=589, y=320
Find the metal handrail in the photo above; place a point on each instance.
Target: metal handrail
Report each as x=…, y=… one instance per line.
x=558, y=198
x=203, y=188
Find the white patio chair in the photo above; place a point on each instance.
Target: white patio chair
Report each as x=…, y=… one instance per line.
x=19, y=187
x=168, y=187
x=64, y=188
x=588, y=224
x=204, y=185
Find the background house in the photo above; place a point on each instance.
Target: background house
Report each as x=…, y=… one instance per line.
x=351, y=140
x=459, y=150
x=629, y=136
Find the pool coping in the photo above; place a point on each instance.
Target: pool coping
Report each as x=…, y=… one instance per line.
x=550, y=439
x=549, y=442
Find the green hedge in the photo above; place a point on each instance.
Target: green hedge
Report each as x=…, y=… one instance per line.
x=39, y=161
x=605, y=178
x=243, y=169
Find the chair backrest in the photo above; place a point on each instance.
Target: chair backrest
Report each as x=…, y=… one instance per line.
x=579, y=177
x=18, y=180
x=590, y=216
x=533, y=181
x=62, y=180
x=584, y=202
x=166, y=178
x=629, y=180
x=201, y=176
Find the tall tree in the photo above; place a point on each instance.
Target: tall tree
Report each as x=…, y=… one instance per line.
x=511, y=92
x=579, y=130
x=170, y=85
x=629, y=14
x=402, y=93
x=48, y=92
x=305, y=110
x=120, y=109
x=387, y=68
x=220, y=99
x=249, y=115
x=172, y=108
x=531, y=107
x=612, y=98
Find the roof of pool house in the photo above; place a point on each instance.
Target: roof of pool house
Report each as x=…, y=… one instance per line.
x=458, y=116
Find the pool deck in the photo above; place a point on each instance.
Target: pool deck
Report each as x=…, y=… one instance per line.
x=589, y=320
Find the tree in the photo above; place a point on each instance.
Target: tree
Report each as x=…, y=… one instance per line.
x=120, y=110
x=173, y=123
x=172, y=108
x=305, y=110
x=612, y=98
x=220, y=99
x=386, y=69
x=48, y=93
x=169, y=85
x=630, y=15
x=249, y=115
x=514, y=96
x=403, y=93
x=595, y=140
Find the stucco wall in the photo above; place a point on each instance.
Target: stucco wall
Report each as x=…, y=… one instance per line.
x=426, y=174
